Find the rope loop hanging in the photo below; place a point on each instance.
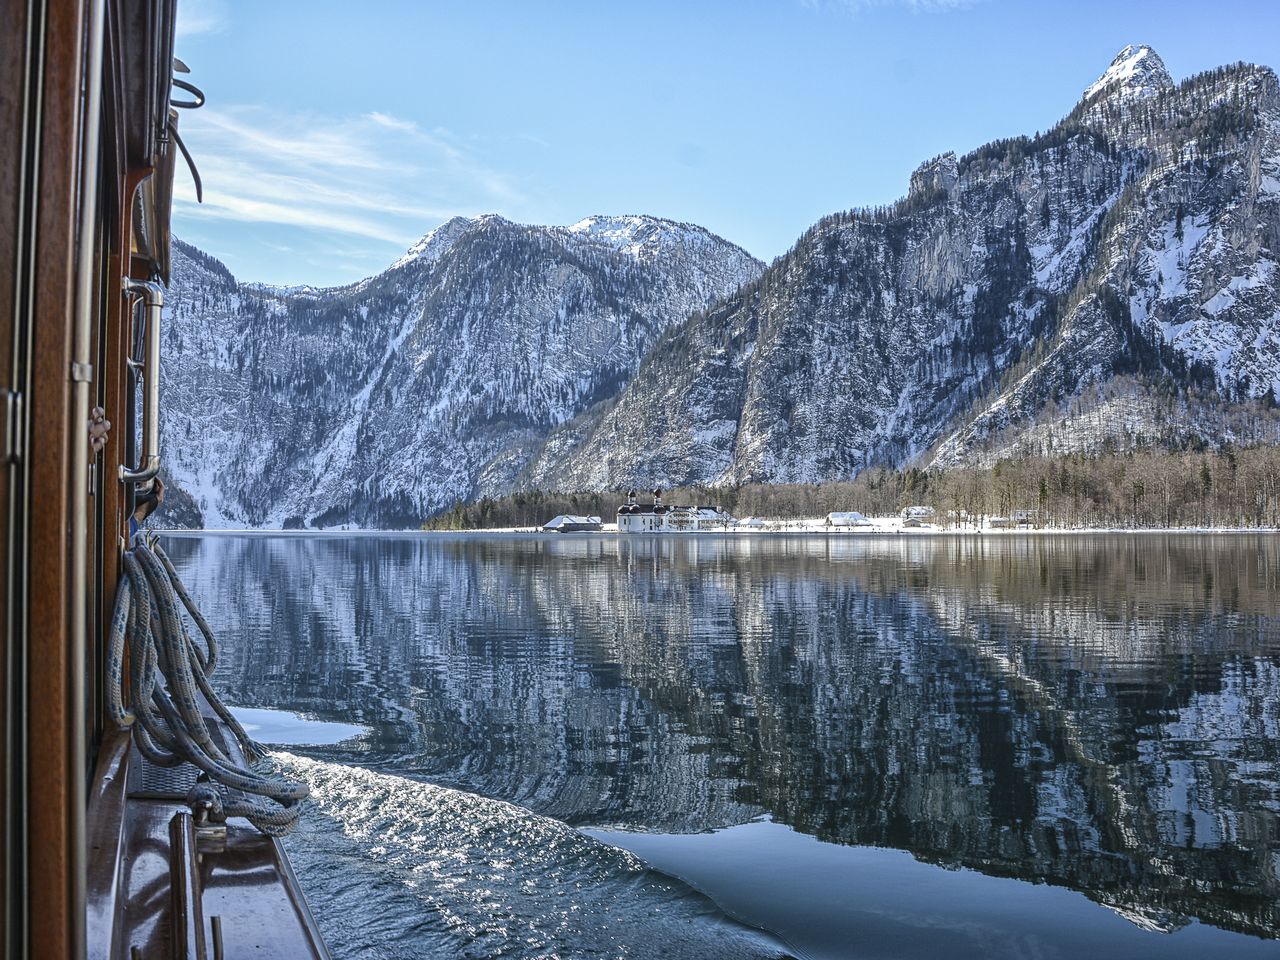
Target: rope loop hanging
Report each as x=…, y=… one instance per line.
x=168, y=684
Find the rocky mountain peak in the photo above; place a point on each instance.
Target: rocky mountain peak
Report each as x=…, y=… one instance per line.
x=940, y=173
x=605, y=226
x=435, y=242
x=1093, y=261
x=1136, y=73
x=431, y=383
x=634, y=234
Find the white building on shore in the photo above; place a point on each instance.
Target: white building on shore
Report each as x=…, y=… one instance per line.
x=568, y=523
x=847, y=518
x=658, y=517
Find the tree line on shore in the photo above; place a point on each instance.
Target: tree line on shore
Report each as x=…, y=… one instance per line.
x=1231, y=487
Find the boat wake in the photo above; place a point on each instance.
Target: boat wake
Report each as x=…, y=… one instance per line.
x=398, y=868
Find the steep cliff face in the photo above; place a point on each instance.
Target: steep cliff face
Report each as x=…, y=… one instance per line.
x=379, y=403
x=1136, y=237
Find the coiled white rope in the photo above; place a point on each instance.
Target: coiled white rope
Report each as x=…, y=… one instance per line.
x=168, y=677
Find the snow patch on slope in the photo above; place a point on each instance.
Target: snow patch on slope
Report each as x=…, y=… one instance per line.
x=1137, y=72
x=435, y=243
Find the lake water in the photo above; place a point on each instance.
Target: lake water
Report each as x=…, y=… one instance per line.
x=594, y=746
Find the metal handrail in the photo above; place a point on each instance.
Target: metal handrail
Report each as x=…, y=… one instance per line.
x=152, y=295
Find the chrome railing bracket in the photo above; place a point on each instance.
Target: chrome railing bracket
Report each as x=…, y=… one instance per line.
x=152, y=295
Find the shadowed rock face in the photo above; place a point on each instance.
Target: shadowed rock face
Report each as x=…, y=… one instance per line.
x=383, y=402
x=1097, y=713
x=1136, y=237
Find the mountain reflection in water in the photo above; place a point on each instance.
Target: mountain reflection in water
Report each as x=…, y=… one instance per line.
x=1098, y=713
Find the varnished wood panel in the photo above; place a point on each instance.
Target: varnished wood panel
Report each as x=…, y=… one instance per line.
x=13, y=69
x=52, y=802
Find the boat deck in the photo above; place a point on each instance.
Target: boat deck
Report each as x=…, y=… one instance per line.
x=155, y=891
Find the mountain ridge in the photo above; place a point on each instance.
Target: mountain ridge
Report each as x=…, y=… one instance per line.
x=1014, y=276
x=382, y=401
x=1134, y=241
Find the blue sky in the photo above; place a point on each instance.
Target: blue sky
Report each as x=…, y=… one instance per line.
x=337, y=133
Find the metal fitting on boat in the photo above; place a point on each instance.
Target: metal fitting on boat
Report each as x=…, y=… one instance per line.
x=210, y=818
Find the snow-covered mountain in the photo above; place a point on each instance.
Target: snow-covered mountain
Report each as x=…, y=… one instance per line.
x=379, y=403
x=1137, y=237
x=1126, y=256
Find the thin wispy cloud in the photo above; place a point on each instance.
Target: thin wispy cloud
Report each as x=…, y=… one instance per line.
x=375, y=177
x=393, y=123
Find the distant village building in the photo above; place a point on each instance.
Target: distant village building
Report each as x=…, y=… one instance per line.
x=848, y=518
x=918, y=513
x=567, y=523
x=658, y=517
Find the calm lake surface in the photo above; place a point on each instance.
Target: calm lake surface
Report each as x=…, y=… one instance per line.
x=593, y=746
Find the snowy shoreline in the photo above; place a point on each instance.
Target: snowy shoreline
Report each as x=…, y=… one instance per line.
x=878, y=528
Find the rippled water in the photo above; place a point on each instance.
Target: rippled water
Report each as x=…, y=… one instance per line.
x=845, y=747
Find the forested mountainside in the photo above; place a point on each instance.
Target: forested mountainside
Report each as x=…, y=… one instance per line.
x=1149, y=488
x=1135, y=239
x=382, y=402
